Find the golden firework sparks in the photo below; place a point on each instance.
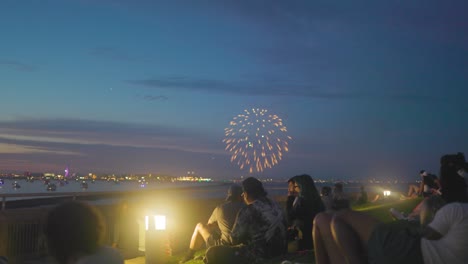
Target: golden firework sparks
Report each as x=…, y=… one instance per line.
x=256, y=139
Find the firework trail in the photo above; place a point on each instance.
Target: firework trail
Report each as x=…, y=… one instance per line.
x=256, y=140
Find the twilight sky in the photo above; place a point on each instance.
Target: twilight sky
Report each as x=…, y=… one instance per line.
x=365, y=88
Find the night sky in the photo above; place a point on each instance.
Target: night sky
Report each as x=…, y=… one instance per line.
x=365, y=88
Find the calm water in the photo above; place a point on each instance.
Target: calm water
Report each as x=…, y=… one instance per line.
x=199, y=190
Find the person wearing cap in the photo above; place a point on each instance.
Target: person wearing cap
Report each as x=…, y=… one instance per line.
x=259, y=232
x=218, y=229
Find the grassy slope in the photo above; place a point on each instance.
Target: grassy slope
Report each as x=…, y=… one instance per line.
x=379, y=210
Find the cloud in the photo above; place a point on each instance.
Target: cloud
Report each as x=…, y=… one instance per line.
x=115, y=54
x=278, y=87
x=259, y=88
x=47, y=132
x=88, y=145
x=16, y=65
x=22, y=149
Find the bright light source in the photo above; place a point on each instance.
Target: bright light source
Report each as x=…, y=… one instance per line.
x=160, y=222
x=386, y=193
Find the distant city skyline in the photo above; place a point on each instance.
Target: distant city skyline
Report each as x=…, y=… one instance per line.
x=120, y=86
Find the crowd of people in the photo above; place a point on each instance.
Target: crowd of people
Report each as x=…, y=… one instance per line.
x=249, y=226
x=439, y=235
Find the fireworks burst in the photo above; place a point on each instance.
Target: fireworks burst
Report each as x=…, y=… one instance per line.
x=256, y=140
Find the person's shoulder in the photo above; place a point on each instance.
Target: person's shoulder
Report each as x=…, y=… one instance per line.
x=454, y=207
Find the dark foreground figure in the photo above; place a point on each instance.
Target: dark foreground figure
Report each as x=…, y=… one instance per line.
x=74, y=232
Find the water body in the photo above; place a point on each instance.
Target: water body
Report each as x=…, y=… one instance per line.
x=194, y=189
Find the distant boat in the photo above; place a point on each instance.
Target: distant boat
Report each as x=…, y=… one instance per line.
x=16, y=185
x=84, y=185
x=51, y=187
x=2, y=182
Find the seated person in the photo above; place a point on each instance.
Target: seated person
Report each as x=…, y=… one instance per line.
x=358, y=238
x=340, y=198
x=451, y=174
x=327, y=199
x=302, y=211
x=428, y=186
x=362, y=198
x=218, y=229
x=453, y=185
x=258, y=233
x=74, y=232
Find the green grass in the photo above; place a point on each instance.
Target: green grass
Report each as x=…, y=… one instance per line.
x=379, y=210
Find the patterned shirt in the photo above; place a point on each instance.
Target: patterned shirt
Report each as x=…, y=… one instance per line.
x=261, y=226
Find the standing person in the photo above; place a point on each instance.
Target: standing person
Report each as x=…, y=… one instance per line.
x=306, y=205
x=218, y=229
x=74, y=232
x=258, y=233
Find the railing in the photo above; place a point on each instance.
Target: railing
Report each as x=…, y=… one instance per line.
x=22, y=221
x=21, y=229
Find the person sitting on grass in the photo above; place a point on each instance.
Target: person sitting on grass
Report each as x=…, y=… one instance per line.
x=355, y=237
x=340, y=198
x=218, y=229
x=74, y=232
x=327, y=199
x=301, y=212
x=453, y=185
x=259, y=231
x=429, y=185
x=362, y=198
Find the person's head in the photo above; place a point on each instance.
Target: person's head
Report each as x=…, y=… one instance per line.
x=429, y=207
x=450, y=167
x=326, y=191
x=291, y=183
x=73, y=229
x=422, y=173
x=252, y=190
x=234, y=193
x=338, y=188
x=305, y=187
